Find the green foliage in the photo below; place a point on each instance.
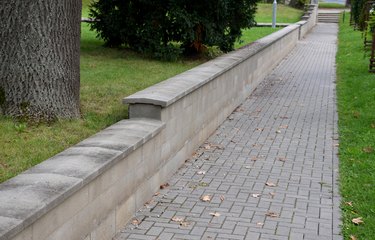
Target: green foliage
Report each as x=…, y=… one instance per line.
x=300, y=4
x=357, y=13
x=151, y=26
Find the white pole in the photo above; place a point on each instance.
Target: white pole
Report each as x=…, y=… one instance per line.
x=274, y=14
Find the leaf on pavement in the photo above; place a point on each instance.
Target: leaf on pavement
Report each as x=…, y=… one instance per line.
x=282, y=159
x=165, y=185
x=177, y=219
x=215, y=214
x=256, y=195
x=201, y=172
x=272, y=214
x=206, y=198
x=222, y=198
x=260, y=224
x=270, y=184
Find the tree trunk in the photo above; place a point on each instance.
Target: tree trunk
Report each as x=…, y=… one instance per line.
x=39, y=58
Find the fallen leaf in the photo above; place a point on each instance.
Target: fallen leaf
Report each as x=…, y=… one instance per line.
x=373, y=125
x=368, y=149
x=356, y=114
x=357, y=221
x=206, y=198
x=135, y=222
x=221, y=147
x=272, y=214
x=239, y=109
x=278, y=131
x=222, y=198
x=282, y=159
x=270, y=184
x=283, y=126
x=207, y=146
x=349, y=204
x=184, y=224
x=247, y=167
x=233, y=141
x=157, y=194
x=260, y=224
x=352, y=237
x=257, y=145
x=177, y=219
x=230, y=117
x=272, y=194
x=201, y=172
x=256, y=195
x=336, y=145
x=284, y=117
x=254, y=158
x=215, y=214
x=165, y=185
x=259, y=129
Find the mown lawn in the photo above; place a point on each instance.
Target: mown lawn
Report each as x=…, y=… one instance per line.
x=284, y=14
x=356, y=106
x=107, y=75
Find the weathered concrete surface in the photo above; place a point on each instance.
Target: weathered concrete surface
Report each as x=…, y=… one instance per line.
x=270, y=169
x=30, y=195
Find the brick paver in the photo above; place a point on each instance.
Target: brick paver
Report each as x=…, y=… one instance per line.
x=270, y=169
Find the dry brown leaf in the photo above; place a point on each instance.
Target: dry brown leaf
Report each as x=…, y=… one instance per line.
x=352, y=237
x=165, y=185
x=282, y=159
x=373, y=125
x=336, y=145
x=357, y=221
x=259, y=129
x=349, y=204
x=215, y=214
x=254, y=158
x=230, y=117
x=207, y=146
x=157, y=194
x=283, y=126
x=247, y=167
x=184, y=224
x=270, y=184
x=272, y=214
x=206, y=198
x=222, y=198
x=260, y=224
x=368, y=149
x=284, y=117
x=135, y=222
x=256, y=195
x=278, y=131
x=272, y=194
x=177, y=219
x=239, y=109
x=201, y=172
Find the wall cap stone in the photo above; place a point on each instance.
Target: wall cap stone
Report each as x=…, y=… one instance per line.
x=171, y=90
x=28, y=196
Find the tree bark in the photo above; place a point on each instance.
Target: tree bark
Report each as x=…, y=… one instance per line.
x=39, y=58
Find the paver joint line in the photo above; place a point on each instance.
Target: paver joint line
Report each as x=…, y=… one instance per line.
x=273, y=176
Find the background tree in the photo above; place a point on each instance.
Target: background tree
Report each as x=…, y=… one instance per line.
x=39, y=58
x=157, y=26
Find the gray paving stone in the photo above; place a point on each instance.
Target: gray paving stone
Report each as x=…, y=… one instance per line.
x=292, y=117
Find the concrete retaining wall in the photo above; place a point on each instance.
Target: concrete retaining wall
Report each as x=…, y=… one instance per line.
x=91, y=190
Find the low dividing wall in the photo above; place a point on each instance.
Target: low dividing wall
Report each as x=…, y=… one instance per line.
x=92, y=189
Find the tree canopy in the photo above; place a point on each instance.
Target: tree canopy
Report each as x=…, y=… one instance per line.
x=167, y=28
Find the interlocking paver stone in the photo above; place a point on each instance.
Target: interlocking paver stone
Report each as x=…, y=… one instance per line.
x=283, y=134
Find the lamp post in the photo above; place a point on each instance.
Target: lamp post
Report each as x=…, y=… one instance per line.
x=274, y=13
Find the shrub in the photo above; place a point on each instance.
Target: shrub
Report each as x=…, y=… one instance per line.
x=151, y=26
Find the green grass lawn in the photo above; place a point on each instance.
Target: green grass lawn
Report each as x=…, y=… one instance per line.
x=107, y=75
x=356, y=106
x=284, y=14
x=330, y=5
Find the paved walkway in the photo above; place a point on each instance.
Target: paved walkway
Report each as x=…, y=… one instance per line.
x=269, y=171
